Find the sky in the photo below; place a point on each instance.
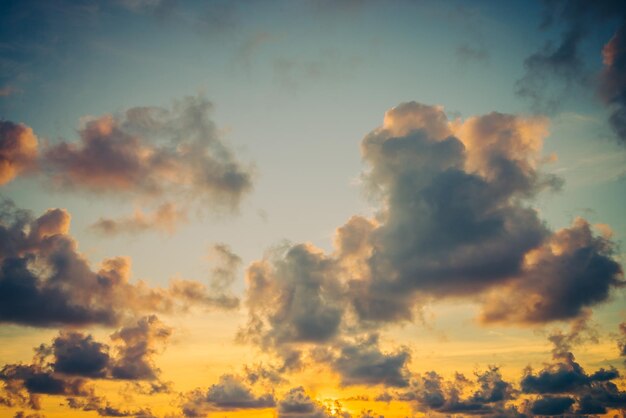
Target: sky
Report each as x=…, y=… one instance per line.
x=312, y=208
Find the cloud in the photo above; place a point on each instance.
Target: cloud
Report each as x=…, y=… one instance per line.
x=229, y=394
x=149, y=151
x=455, y=220
x=293, y=297
x=571, y=271
x=562, y=64
x=73, y=361
x=24, y=385
x=18, y=150
x=432, y=393
x=592, y=393
x=165, y=218
x=297, y=404
x=79, y=355
x=138, y=345
x=363, y=363
x=46, y=282
x=556, y=405
x=613, y=81
x=621, y=342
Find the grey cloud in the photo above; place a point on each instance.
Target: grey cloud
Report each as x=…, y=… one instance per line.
x=45, y=281
x=77, y=354
x=455, y=218
x=138, y=344
x=556, y=405
x=363, y=363
x=572, y=271
x=432, y=394
x=229, y=394
x=563, y=62
x=296, y=403
x=613, y=81
x=293, y=298
x=152, y=151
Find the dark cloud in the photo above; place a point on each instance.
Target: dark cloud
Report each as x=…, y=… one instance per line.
x=138, y=345
x=564, y=384
x=69, y=365
x=621, y=342
x=295, y=297
x=152, y=151
x=24, y=385
x=613, y=81
x=556, y=405
x=296, y=403
x=229, y=394
x=18, y=150
x=455, y=221
x=45, y=281
x=562, y=64
x=77, y=354
x=572, y=271
x=363, y=363
x=431, y=393
x=104, y=408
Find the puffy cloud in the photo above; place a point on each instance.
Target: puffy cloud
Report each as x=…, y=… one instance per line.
x=24, y=385
x=45, y=281
x=73, y=360
x=455, y=220
x=18, y=150
x=364, y=363
x=294, y=297
x=152, y=151
x=571, y=271
x=77, y=354
x=230, y=393
x=138, y=346
x=296, y=403
x=432, y=393
x=554, y=405
x=564, y=383
x=165, y=218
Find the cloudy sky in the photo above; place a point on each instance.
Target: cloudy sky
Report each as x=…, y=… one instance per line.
x=312, y=208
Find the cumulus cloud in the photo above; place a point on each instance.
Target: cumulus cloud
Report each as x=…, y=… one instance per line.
x=229, y=394
x=45, y=281
x=138, y=345
x=296, y=403
x=564, y=385
x=571, y=271
x=431, y=393
x=293, y=297
x=363, y=363
x=455, y=221
x=18, y=150
x=73, y=361
x=152, y=151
